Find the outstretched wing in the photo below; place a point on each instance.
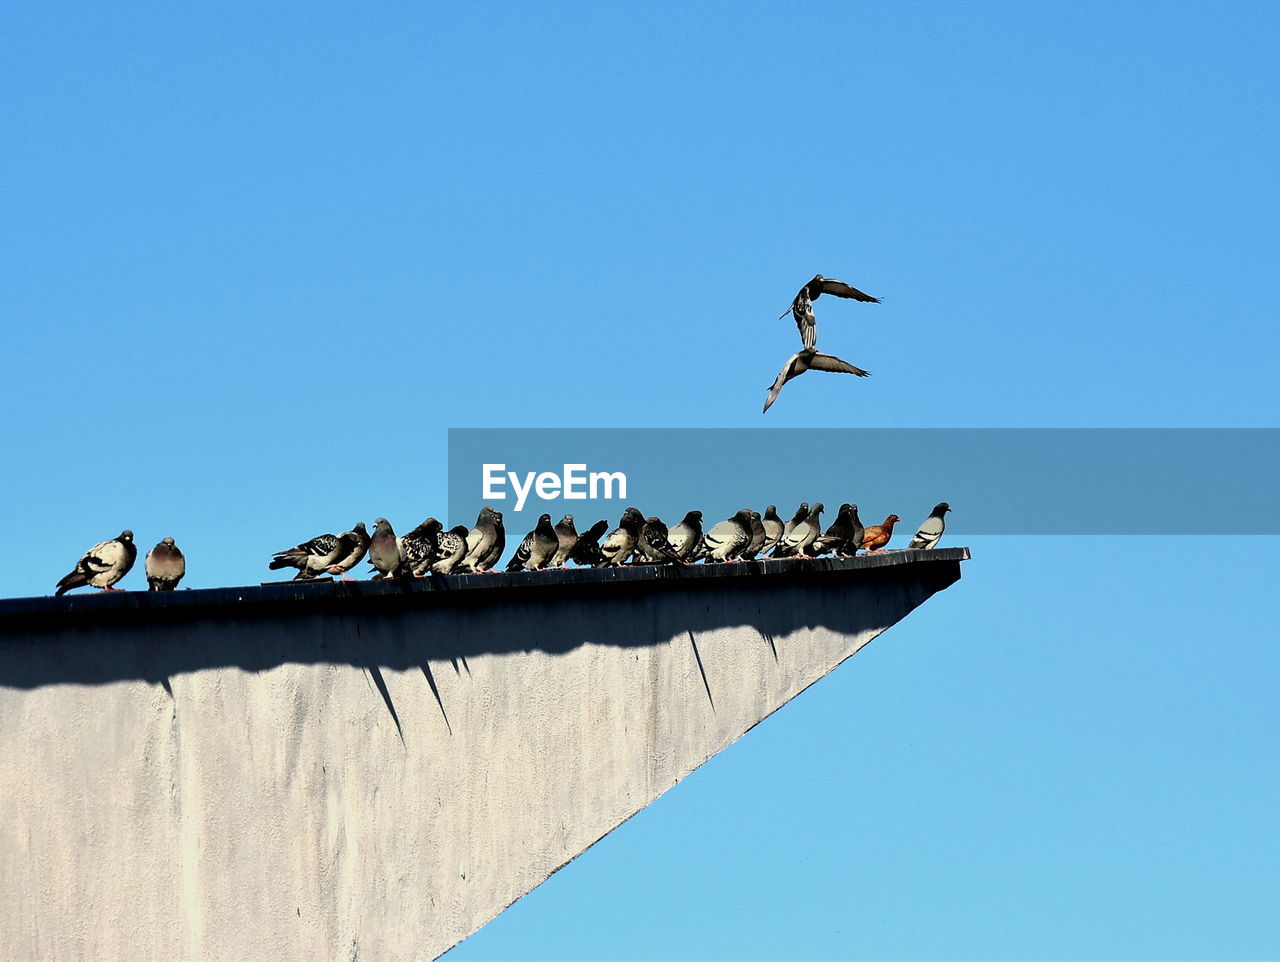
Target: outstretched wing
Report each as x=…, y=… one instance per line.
x=829, y=362
x=840, y=289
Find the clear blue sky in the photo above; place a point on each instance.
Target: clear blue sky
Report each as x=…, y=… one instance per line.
x=257, y=258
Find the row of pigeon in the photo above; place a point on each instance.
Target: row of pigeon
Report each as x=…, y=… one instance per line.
x=429, y=549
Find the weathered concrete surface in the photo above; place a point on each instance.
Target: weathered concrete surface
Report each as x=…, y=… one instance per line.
x=333, y=770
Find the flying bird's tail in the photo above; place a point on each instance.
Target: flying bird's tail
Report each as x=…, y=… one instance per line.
x=775, y=389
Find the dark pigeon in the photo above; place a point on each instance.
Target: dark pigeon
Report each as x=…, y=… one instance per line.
x=418, y=547
x=802, y=305
x=586, y=550
x=538, y=547
x=839, y=537
x=655, y=543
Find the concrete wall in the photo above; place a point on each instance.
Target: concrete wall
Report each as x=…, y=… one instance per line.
x=342, y=771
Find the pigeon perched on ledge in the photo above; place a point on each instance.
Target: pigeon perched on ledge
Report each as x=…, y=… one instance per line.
x=165, y=566
x=617, y=547
x=352, y=547
x=802, y=306
x=686, y=537
x=878, y=535
x=844, y=535
x=567, y=537
x=451, y=547
x=586, y=550
x=773, y=528
x=727, y=539
x=102, y=565
x=655, y=545
x=802, y=512
x=485, y=542
x=311, y=558
x=931, y=529
x=802, y=535
x=384, y=550
x=758, y=535
x=419, y=547
x=806, y=360
x=859, y=532
x=538, y=547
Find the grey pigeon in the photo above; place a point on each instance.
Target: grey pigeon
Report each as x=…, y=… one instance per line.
x=838, y=538
x=726, y=539
x=797, y=543
x=311, y=558
x=756, y=544
x=384, y=550
x=772, y=528
x=355, y=543
x=485, y=542
x=567, y=537
x=451, y=547
x=686, y=537
x=802, y=361
x=165, y=566
x=102, y=565
x=419, y=547
x=930, y=532
x=802, y=306
x=586, y=550
x=802, y=513
x=538, y=547
x=655, y=543
x=617, y=547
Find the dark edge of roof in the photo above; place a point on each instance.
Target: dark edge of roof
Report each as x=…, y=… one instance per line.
x=49, y=613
